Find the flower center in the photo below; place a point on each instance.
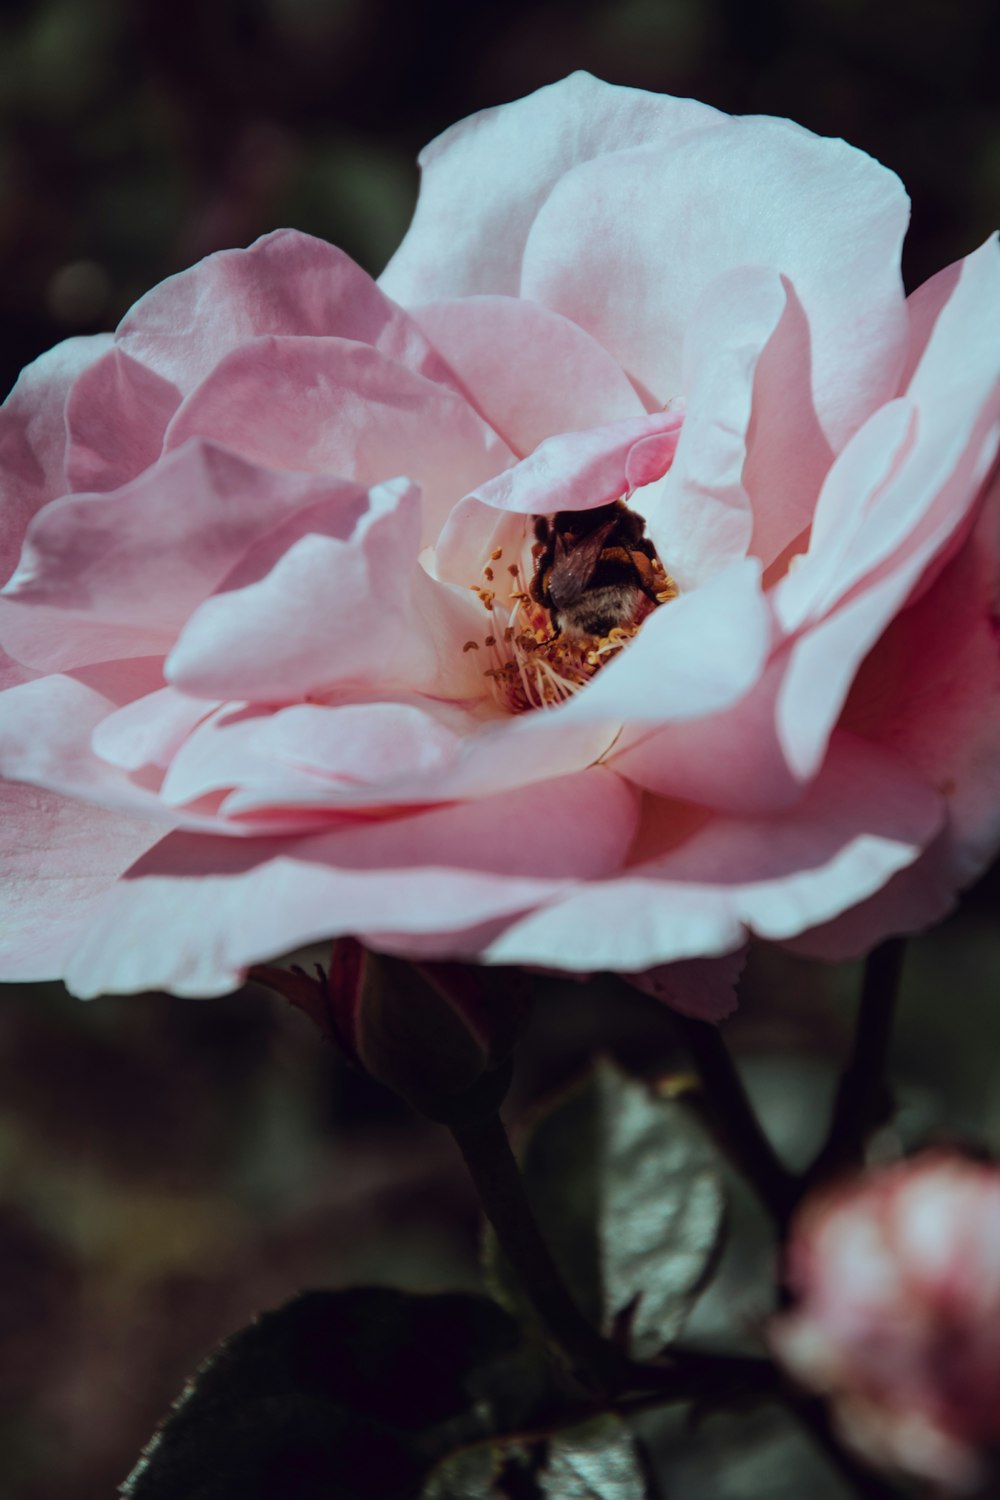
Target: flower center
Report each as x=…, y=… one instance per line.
x=576, y=593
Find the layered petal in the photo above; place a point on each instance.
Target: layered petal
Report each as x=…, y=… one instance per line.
x=116, y=416
x=333, y=610
x=33, y=437
x=626, y=244
x=286, y=283
x=209, y=909
x=865, y=817
x=582, y=470
x=330, y=406
x=528, y=371
x=751, y=458
x=465, y=241
x=118, y=574
x=59, y=860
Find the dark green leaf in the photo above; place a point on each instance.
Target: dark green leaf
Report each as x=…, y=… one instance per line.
x=596, y=1462
x=745, y=1455
x=627, y=1192
x=348, y=1395
x=467, y=1475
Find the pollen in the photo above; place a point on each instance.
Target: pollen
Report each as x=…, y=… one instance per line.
x=539, y=658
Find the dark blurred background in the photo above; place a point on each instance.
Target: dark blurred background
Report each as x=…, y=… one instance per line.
x=170, y=1166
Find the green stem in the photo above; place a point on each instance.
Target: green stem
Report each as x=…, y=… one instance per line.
x=742, y=1133
x=864, y=1098
x=492, y=1166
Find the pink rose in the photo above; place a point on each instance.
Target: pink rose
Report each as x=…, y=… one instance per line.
x=897, y=1314
x=287, y=658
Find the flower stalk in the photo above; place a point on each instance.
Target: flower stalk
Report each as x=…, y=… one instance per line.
x=864, y=1099
x=736, y=1120
x=485, y=1147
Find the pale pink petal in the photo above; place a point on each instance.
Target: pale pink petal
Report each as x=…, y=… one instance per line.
x=340, y=408
x=930, y=689
x=625, y=246
x=59, y=860
x=912, y=450
x=866, y=468
x=577, y=470
x=913, y=900
x=355, y=755
x=788, y=455
x=731, y=760
x=148, y=731
x=359, y=744
x=465, y=239
x=701, y=987
x=116, y=416
x=285, y=283
x=45, y=740
x=528, y=371
x=700, y=514
x=209, y=908
x=923, y=307
x=823, y=661
x=865, y=817
x=48, y=729
x=118, y=574
x=333, y=611
x=33, y=437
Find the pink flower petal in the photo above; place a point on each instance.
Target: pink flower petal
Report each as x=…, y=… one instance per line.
x=33, y=437
x=148, y=731
x=118, y=575
x=45, y=740
x=700, y=514
x=625, y=246
x=911, y=518
x=930, y=689
x=340, y=408
x=528, y=371
x=116, y=416
x=334, y=610
x=463, y=240
x=285, y=283
x=730, y=760
x=210, y=908
x=865, y=817
x=701, y=987
x=922, y=441
x=59, y=860
x=352, y=756
x=577, y=470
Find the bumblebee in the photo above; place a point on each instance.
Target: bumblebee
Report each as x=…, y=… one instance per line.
x=595, y=570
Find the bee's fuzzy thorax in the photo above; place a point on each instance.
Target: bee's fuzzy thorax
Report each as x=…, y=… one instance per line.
x=575, y=597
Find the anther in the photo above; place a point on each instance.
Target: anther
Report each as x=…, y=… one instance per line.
x=496, y=554
x=471, y=646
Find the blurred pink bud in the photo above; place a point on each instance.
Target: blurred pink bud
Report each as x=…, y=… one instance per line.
x=431, y=1032
x=896, y=1316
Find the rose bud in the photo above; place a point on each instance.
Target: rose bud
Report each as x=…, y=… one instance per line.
x=437, y=1034
x=896, y=1316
